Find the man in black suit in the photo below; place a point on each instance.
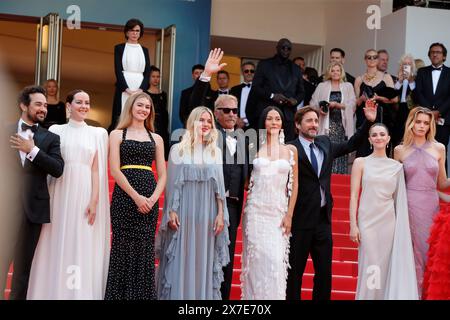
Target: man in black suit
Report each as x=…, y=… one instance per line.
x=185, y=107
x=37, y=153
x=433, y=90
x=235, y=171
x=235, y=156
x=311, y=223
x=242, y=91
x=278, y=82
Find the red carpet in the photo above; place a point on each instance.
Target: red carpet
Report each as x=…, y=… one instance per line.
x=345, y=253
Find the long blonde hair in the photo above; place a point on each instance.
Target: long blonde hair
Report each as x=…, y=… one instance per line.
x=190, y=137
x=408, y=137
x=126, y=117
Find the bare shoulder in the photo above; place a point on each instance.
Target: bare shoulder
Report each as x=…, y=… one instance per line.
x=157, y=138
x=439, y=146
x=292, y=148
x=116, y=135
x=359, y=162
x=398, y=151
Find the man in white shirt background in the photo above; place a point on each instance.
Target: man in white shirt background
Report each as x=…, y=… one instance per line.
x=242, y=92
x=433, y=90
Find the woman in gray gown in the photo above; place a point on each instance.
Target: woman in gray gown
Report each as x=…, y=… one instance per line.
x=193, y=238
x=386, y=268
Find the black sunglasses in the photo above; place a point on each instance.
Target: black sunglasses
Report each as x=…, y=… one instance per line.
x=249, y=71
x=228, y=110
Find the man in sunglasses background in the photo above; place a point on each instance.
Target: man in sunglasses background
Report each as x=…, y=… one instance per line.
x=242, y=93
x=278, y=82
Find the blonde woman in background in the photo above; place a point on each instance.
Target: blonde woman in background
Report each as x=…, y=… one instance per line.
x=193, y=237
x=56, y=109
x=338, y=120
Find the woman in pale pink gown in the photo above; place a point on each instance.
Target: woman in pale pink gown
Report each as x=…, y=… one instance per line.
x=424, y=164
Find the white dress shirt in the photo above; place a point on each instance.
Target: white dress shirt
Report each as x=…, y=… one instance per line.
x=28, y=134
x=231, y=143
x=436, y=74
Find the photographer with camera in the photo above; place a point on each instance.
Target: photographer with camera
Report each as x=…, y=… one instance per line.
x=336, y=100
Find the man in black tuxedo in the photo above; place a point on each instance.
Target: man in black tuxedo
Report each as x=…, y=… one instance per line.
x=311, y=223
x=235, y=171
x=37, y=153
x=235, y=157
x=278, y=82
x=185, y=107
x=242, y=93
x=433, y=90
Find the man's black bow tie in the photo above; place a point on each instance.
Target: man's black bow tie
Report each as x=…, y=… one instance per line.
x=436, y=69
x=247, y=85
x=25, y=127
x=223, y=91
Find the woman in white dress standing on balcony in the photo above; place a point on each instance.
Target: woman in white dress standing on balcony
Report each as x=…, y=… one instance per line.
x=131, y=66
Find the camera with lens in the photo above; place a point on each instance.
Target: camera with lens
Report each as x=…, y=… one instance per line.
x=324, y=106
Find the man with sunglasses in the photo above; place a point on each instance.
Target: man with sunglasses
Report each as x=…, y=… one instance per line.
x=242, y=93
x=278, y=82
x=235, y=156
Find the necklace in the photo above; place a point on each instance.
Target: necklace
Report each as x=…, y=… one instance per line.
x=370, y=77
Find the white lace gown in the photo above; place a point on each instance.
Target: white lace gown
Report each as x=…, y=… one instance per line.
x=265, y=256
x=72, y=257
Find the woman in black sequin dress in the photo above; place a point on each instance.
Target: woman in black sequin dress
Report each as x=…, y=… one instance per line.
x=134, y=207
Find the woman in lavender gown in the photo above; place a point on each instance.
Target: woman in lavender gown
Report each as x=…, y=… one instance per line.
x=424, y=163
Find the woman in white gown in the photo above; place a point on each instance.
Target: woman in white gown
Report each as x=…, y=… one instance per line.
x=268, y=214
x=386, y=269
x=71, y=259
x=131, y=67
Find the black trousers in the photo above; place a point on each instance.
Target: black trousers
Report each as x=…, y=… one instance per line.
x=27, y=240
x=233, y=206
x=318, y=242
